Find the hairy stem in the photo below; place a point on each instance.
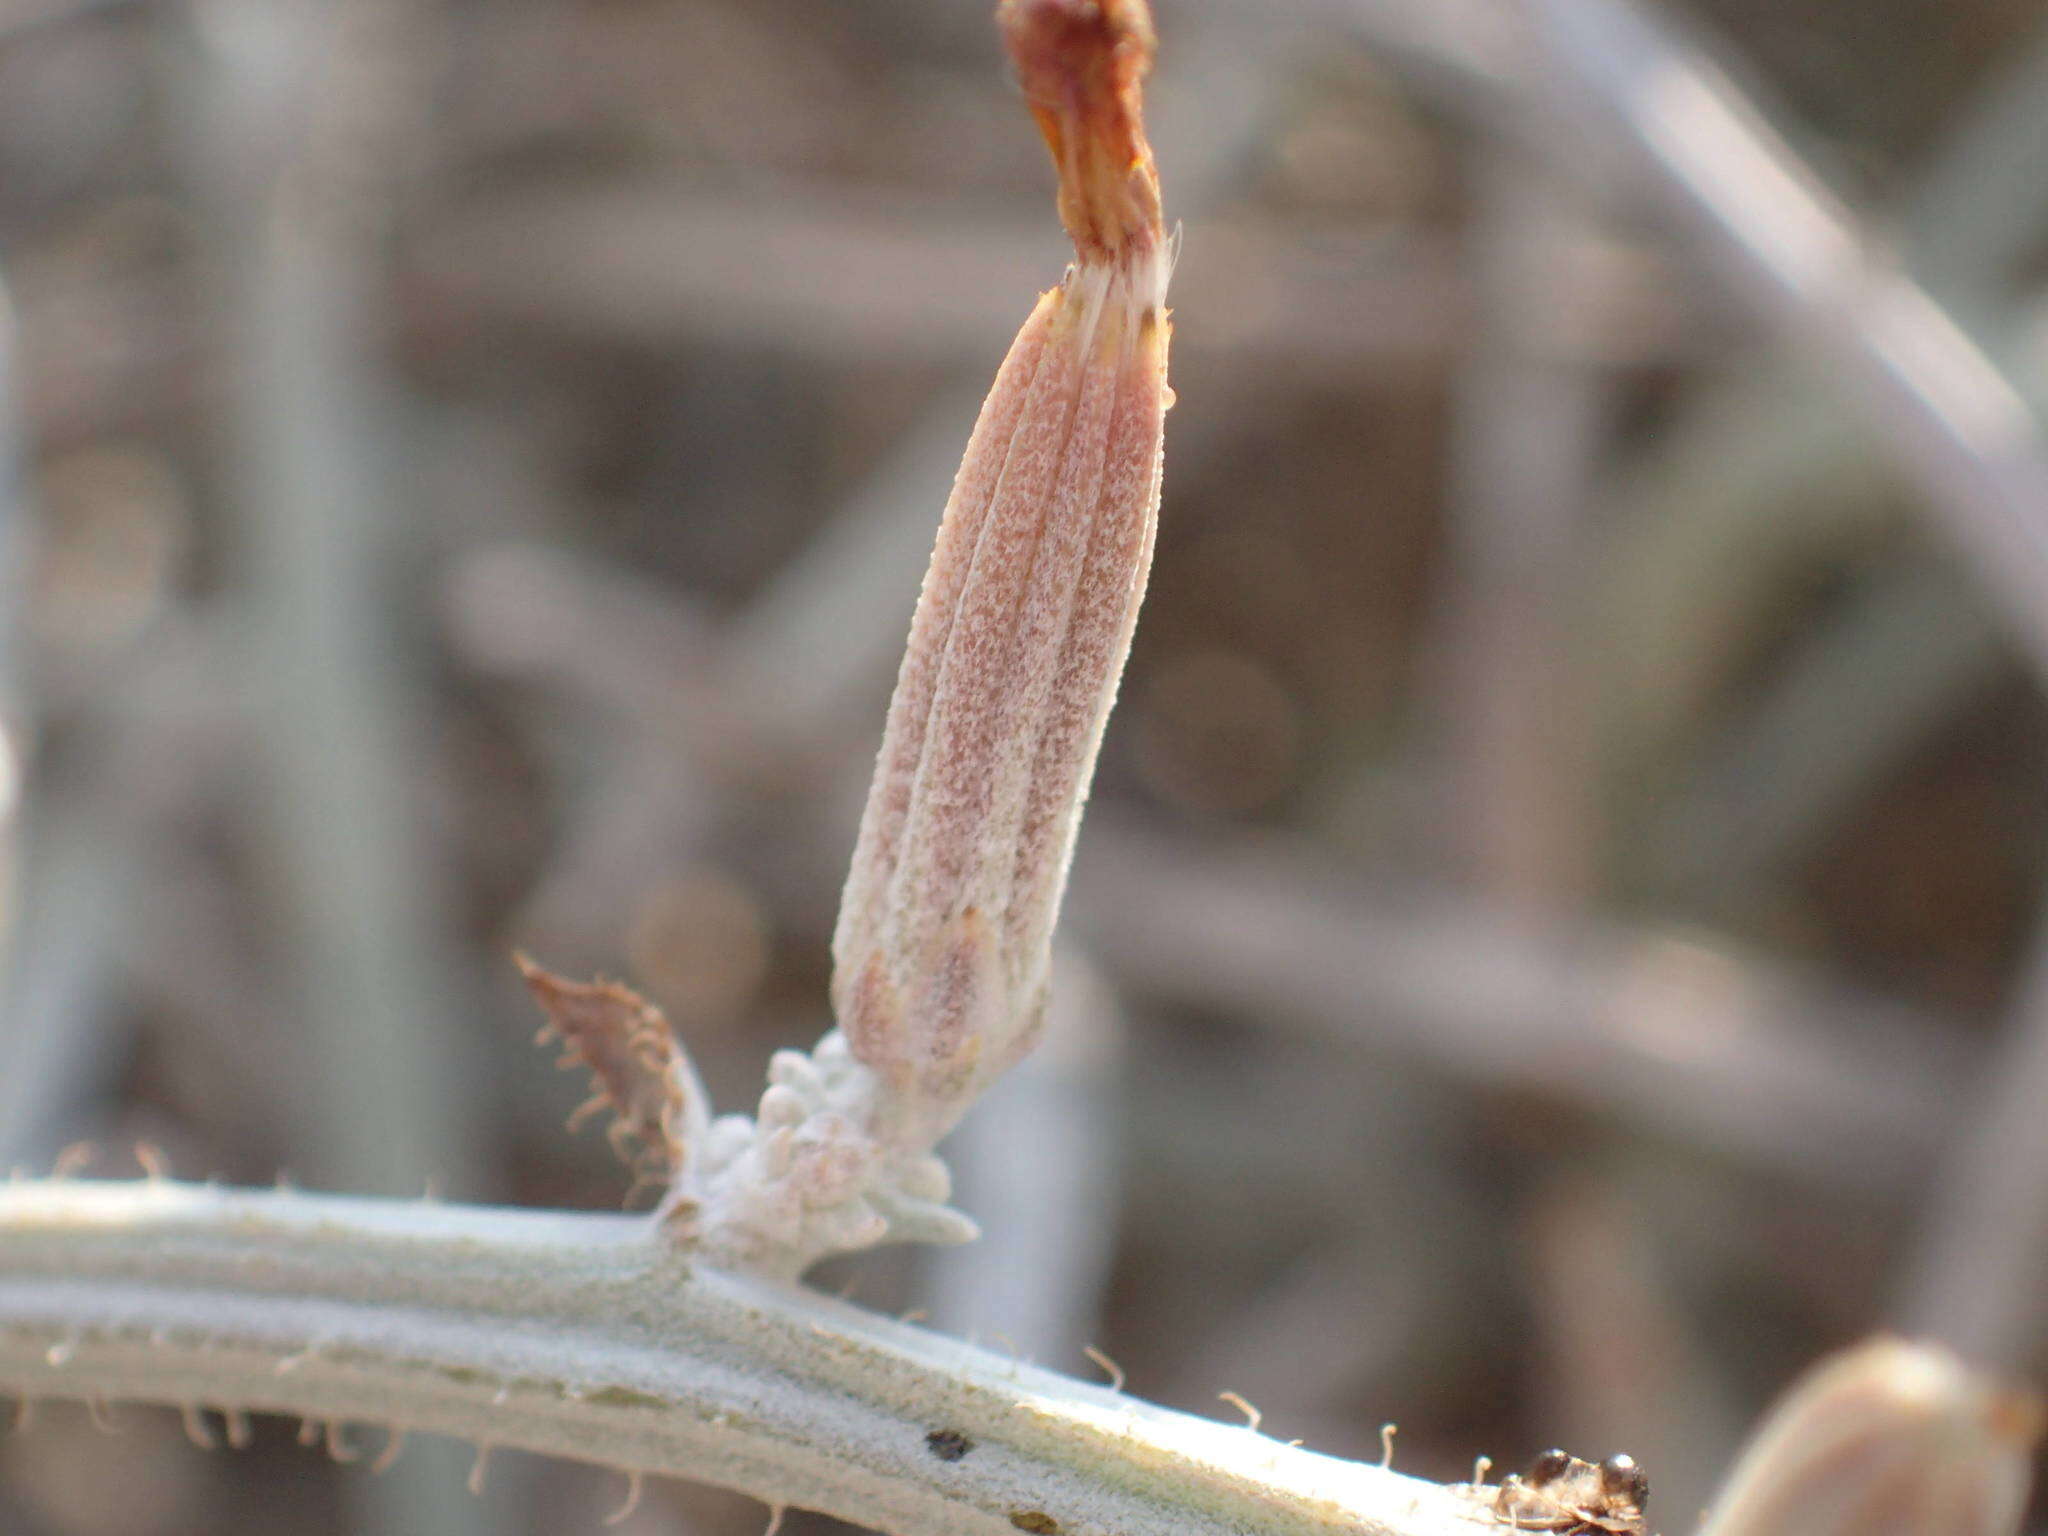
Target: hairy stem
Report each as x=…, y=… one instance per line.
x=581, y=1336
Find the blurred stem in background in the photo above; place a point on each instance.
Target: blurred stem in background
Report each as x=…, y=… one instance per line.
x=55, y=964
x=1771, y=474
x=1973, y=445
x=1529, y=425
x=1975, y=1281
x=1955, y=421
x=307, y=114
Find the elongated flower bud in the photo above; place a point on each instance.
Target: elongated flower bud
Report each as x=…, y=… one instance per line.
x=1889, y=1439
x=944, y=938
x=943, y=944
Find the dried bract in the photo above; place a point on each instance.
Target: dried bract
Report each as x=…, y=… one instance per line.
x=1082, y=64
x=638, y=1068
x=1888, y=1439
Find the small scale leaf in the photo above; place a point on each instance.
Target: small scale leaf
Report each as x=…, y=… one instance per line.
x=636, y=1064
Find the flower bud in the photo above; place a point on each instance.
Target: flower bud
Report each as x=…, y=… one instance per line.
x=944, y=938
x=943, y=945
x=1888, y=1439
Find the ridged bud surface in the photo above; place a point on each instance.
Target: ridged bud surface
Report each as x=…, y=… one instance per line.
x=1020, y=634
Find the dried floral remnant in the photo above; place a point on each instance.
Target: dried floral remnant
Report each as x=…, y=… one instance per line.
x=1082, y=64
x=637, y=1068
x=943, y=946
x=1888, y=1439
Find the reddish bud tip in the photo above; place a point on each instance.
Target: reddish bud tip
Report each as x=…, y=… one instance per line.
x=1082, y=64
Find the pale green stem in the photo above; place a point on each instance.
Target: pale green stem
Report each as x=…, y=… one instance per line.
x=587, y=1337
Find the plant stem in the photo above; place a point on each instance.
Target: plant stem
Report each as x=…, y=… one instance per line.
x=1956, y=421
x=581, y=1336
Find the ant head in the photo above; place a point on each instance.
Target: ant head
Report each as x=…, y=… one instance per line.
x=1620, y=1477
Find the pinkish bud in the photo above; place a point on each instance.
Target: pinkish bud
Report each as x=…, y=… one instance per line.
x=1888, y=1439
x=943, y=945
x=944, y=938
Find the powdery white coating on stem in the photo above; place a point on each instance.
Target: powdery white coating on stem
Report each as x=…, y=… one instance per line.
x=808, y=1175
x=584, y=1336
x=1888, y=1439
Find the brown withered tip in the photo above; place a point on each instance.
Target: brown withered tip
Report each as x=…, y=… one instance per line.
x=1082, y=64
x=630, y=1051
